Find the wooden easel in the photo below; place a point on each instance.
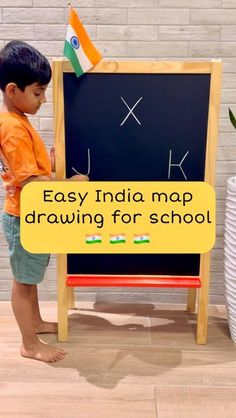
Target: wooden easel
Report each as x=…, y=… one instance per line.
x=65, y=288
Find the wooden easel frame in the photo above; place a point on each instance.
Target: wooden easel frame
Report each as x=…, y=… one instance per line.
x=214, y=68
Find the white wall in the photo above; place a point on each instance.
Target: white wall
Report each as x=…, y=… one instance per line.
x=134, y=29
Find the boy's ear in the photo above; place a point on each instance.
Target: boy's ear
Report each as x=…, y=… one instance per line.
x=10, y=90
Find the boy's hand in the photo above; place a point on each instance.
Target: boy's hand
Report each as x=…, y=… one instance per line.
x=79, y=177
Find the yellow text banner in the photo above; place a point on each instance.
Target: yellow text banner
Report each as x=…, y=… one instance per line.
x=117, y=217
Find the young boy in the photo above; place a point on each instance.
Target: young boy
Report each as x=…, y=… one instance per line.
x=24, y=77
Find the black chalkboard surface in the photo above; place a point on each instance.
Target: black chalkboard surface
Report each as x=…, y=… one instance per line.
x=137, y=127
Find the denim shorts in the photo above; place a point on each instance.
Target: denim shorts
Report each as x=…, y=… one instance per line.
x=27, y=268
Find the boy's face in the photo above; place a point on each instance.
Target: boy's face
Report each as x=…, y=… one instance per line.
x=29, y=100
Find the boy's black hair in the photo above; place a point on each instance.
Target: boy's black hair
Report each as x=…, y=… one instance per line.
x=22, y=64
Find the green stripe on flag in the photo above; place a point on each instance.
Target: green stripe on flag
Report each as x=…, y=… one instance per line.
x=118, y=241
x=95, y=241
x=143, y=241
x=69, y=52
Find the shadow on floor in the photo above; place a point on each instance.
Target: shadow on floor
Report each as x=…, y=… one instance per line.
x=113, y=342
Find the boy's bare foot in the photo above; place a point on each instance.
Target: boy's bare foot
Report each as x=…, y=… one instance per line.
x=46, y=328
x=42, y=352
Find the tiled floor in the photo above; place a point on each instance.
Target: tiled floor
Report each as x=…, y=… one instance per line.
x=123, y=361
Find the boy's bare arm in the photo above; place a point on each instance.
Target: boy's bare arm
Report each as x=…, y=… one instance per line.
x=76, y=177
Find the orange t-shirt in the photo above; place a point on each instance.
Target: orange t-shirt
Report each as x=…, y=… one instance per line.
x=22, y=154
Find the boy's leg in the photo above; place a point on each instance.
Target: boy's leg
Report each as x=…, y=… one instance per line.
x=41, y=327
x=22, y=305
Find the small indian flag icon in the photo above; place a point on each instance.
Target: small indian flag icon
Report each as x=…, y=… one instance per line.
x=117, y=238
x=93, y=239
x=141, y=238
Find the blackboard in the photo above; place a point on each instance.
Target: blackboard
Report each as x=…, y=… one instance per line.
x=138, y=127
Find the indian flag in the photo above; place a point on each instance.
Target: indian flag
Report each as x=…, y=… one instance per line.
x=93, y=239
x=117, y=239
x=141, y=239
x=78, y=47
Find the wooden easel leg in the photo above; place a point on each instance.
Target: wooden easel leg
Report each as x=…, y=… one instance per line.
x=71, y=298
x=191, y=302
x=62, y=299
x=62, y=315
x=202, y=314
x=202, y=317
